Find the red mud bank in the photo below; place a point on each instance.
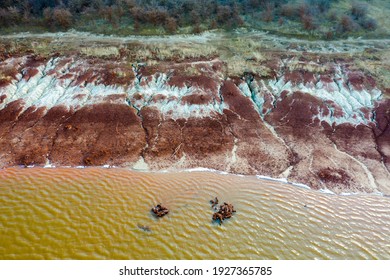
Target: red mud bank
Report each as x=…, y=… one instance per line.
x=120, y=115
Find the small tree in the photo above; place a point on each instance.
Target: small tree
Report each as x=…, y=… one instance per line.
x=58, y=17
x=62, y=18
x=196, y=29
x=369, y=24
x=308, y=22
x=170, y=25
x=268, y=14
x=213, y=24
x=359, y=10
x=223, y=14
x=48, y=16
x=329, y=35
x=289, y=11
x=9, y=16
x=137, y=26
x=347, y=24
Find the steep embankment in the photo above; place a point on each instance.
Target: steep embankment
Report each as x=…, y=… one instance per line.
x=314, y=119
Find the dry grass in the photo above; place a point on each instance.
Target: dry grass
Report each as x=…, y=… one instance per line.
x=183, y=51
x=236, y=66
x=378, y=67
x=307, y=66
x=97, y=51
x=240, y=54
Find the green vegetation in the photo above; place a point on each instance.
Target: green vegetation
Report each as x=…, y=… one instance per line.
x=325, y=19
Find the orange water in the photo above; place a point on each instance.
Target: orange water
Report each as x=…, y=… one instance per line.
x=97, y=213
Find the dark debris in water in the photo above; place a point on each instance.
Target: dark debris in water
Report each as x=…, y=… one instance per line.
x=214, y=202
x=160, y=210
x=225, y=211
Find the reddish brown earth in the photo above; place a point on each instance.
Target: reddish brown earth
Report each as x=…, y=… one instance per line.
x=286, y=138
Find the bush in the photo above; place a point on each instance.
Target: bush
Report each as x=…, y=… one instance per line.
x=347, y=24
x=369, y=24
x=213, y=24
x=223, y=14
x=196, y=29
x=268, y=14
x=62, y=18
x=58, y=17
x=109, y=14
x=359, y=10
x=9, y=16
x=308, y=22
x=194, y=17
x=78, y=6
x=48, y=16
x=322, y=5
x=170, y=25
x=303, y=10
x=156, y=17
x=289, y=11
x=329, y=35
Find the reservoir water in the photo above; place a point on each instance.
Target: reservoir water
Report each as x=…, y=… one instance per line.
x=104, y=213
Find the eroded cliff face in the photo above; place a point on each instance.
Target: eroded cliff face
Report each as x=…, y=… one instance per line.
x=311, y=119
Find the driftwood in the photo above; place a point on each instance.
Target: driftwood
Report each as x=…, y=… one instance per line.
x=160, y=210
x=144, y=228
x=225, y=211
x=214, y=202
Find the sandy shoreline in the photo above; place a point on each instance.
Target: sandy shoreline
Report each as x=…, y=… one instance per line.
x=284, y=181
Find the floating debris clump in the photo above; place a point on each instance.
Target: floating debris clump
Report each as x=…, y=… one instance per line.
x=214, y=202
x=160, y=210
x=225, y=211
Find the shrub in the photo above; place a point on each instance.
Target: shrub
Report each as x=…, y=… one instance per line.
x=48, y=16
x=308, y=22
x=359, y=10
x=109, y=14
x=369, y=23
x=268, y=14
x=303, y=10
x=223, y=14
x=137, y=14
x=194, y=17
x=38, y=6
x=347, y=24
x=9, y=16
x=196, y=29
x=322, y=5
x=290, y=11
x=156, y=17
x=78, y=6
x=329, y=35
x=58, y=17
x=62, y=18
x=137, y=26
x=213, y=24
x=170, y=25
x=332, y=16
